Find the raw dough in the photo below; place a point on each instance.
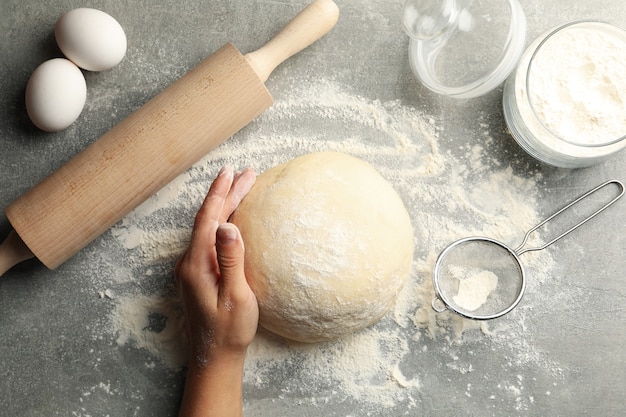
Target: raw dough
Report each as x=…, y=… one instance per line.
x=329, y=245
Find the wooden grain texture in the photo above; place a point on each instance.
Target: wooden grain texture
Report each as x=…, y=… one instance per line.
x=139, y=156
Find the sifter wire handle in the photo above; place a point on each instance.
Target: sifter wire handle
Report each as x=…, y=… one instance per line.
x=520, y=250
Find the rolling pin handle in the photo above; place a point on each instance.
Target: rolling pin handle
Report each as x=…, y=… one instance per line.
x=313, y=22
x=13, y=251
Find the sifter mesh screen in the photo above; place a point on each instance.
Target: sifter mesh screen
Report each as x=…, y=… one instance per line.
x=479, y=278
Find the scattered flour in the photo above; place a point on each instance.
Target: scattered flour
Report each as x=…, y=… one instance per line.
x=448, y=196
x=152, y=323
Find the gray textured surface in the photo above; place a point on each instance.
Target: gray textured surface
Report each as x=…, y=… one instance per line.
x=57, y=354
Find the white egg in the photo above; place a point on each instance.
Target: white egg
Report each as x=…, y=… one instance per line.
x=91, y=38
x=55, y=94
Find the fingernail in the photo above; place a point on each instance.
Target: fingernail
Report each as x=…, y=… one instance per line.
x=225, y=170
x=226, y=233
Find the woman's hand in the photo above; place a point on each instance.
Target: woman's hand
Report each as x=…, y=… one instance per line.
x=220, y=308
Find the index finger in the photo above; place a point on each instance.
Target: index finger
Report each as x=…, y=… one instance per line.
x=242, y=183
x=208, y=217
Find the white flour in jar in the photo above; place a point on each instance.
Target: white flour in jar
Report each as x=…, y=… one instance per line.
x=577, y=85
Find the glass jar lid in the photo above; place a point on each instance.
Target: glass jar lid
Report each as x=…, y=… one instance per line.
x=464, y=48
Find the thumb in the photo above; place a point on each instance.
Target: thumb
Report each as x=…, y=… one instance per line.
x=230, y=257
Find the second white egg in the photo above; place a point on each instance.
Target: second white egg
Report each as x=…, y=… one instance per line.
x=91, y=38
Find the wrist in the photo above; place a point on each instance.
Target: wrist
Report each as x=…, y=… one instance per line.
x=214, y=385
x=214, y=359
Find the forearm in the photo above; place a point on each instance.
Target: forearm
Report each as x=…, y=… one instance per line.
x=214, y=389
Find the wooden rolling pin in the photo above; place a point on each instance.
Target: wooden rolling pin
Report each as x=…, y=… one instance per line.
x=152, y=146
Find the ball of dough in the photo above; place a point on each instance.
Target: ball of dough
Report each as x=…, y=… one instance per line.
x=329, y=245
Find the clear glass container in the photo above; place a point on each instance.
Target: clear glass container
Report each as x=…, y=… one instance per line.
x=566, y=103
x=464, y=48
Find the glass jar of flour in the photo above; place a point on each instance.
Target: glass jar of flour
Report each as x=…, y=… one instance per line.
x=566, y=102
